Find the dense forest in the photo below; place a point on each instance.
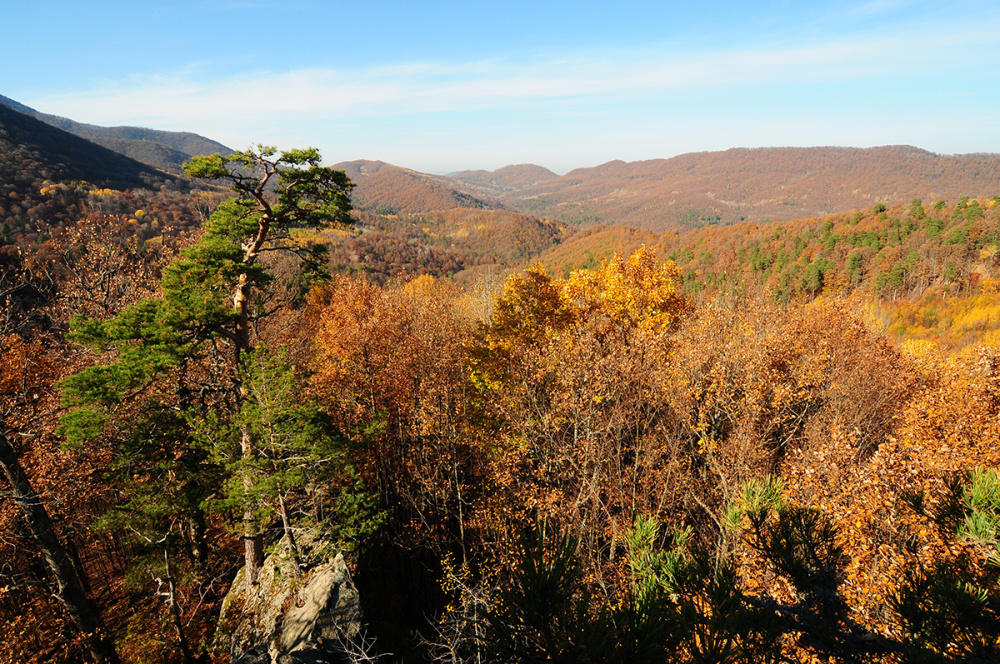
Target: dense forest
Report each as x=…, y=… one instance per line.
x=527, y=441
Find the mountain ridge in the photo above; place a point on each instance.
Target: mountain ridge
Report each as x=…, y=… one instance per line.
x=694, y=189
x=685, y=191
x=32, y=149
x=757, y=184
x=165, y=150
x=391, y=189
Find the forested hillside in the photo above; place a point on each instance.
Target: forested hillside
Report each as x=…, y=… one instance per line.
x=758, y=442
x=41, y=150
x=457, y=243
x=165, y=150
x=759, y=184
x=386, y=189
x=897, y=251
x=48, y=175
x=697, y=189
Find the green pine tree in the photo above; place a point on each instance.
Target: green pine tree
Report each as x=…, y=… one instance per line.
x=190, y=350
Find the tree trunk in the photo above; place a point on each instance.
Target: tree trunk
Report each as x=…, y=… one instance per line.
x=71, y=593
x=253, y=542
x=197, y=542
x=175, y=611
x=290, y=536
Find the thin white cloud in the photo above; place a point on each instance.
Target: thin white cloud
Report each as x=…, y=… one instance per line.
x=411, y=88
x=330, y=103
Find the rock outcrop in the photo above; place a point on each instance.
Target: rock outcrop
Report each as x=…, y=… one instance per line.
x=314, y=618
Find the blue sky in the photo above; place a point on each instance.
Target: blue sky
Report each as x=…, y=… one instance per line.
x=445, y=86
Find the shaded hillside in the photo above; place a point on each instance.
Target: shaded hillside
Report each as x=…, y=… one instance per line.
x=36, y=158
x=704, y=188
x=29, y=146
x=162, y=149
x=388, y=189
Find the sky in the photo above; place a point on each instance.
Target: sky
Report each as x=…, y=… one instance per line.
x=445, y=86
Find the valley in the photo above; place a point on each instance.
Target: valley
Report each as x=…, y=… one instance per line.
x=736, y=406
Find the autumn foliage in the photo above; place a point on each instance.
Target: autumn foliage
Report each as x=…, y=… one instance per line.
x=780, y=443
x=590, y=403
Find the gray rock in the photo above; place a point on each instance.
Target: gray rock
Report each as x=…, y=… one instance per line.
x=326, y=610
x=313, y=619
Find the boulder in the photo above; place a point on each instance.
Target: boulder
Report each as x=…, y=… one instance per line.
x=312, y=618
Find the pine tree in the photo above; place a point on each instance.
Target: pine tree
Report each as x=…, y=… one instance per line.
x=195, y=342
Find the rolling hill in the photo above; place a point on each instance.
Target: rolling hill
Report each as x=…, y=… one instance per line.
x=165, y=150
x=691, y=190
x=504, y=180
x=387, y=189
x=754, y=184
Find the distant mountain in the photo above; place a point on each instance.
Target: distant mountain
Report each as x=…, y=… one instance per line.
x=505, y=180
x=17, y=106
x=166, y=150
x=33, y=150
x=704, y=188
x=691, y=190
x=387, y=189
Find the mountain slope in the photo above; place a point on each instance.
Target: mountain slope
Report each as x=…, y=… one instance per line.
x=697, y=189
x=166, y=150
x=504, y=180
x=31, y=149
x=389, y=189
x=38, y=166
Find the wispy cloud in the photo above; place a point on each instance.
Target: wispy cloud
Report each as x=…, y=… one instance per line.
x=426, y=87
x=318, y=102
